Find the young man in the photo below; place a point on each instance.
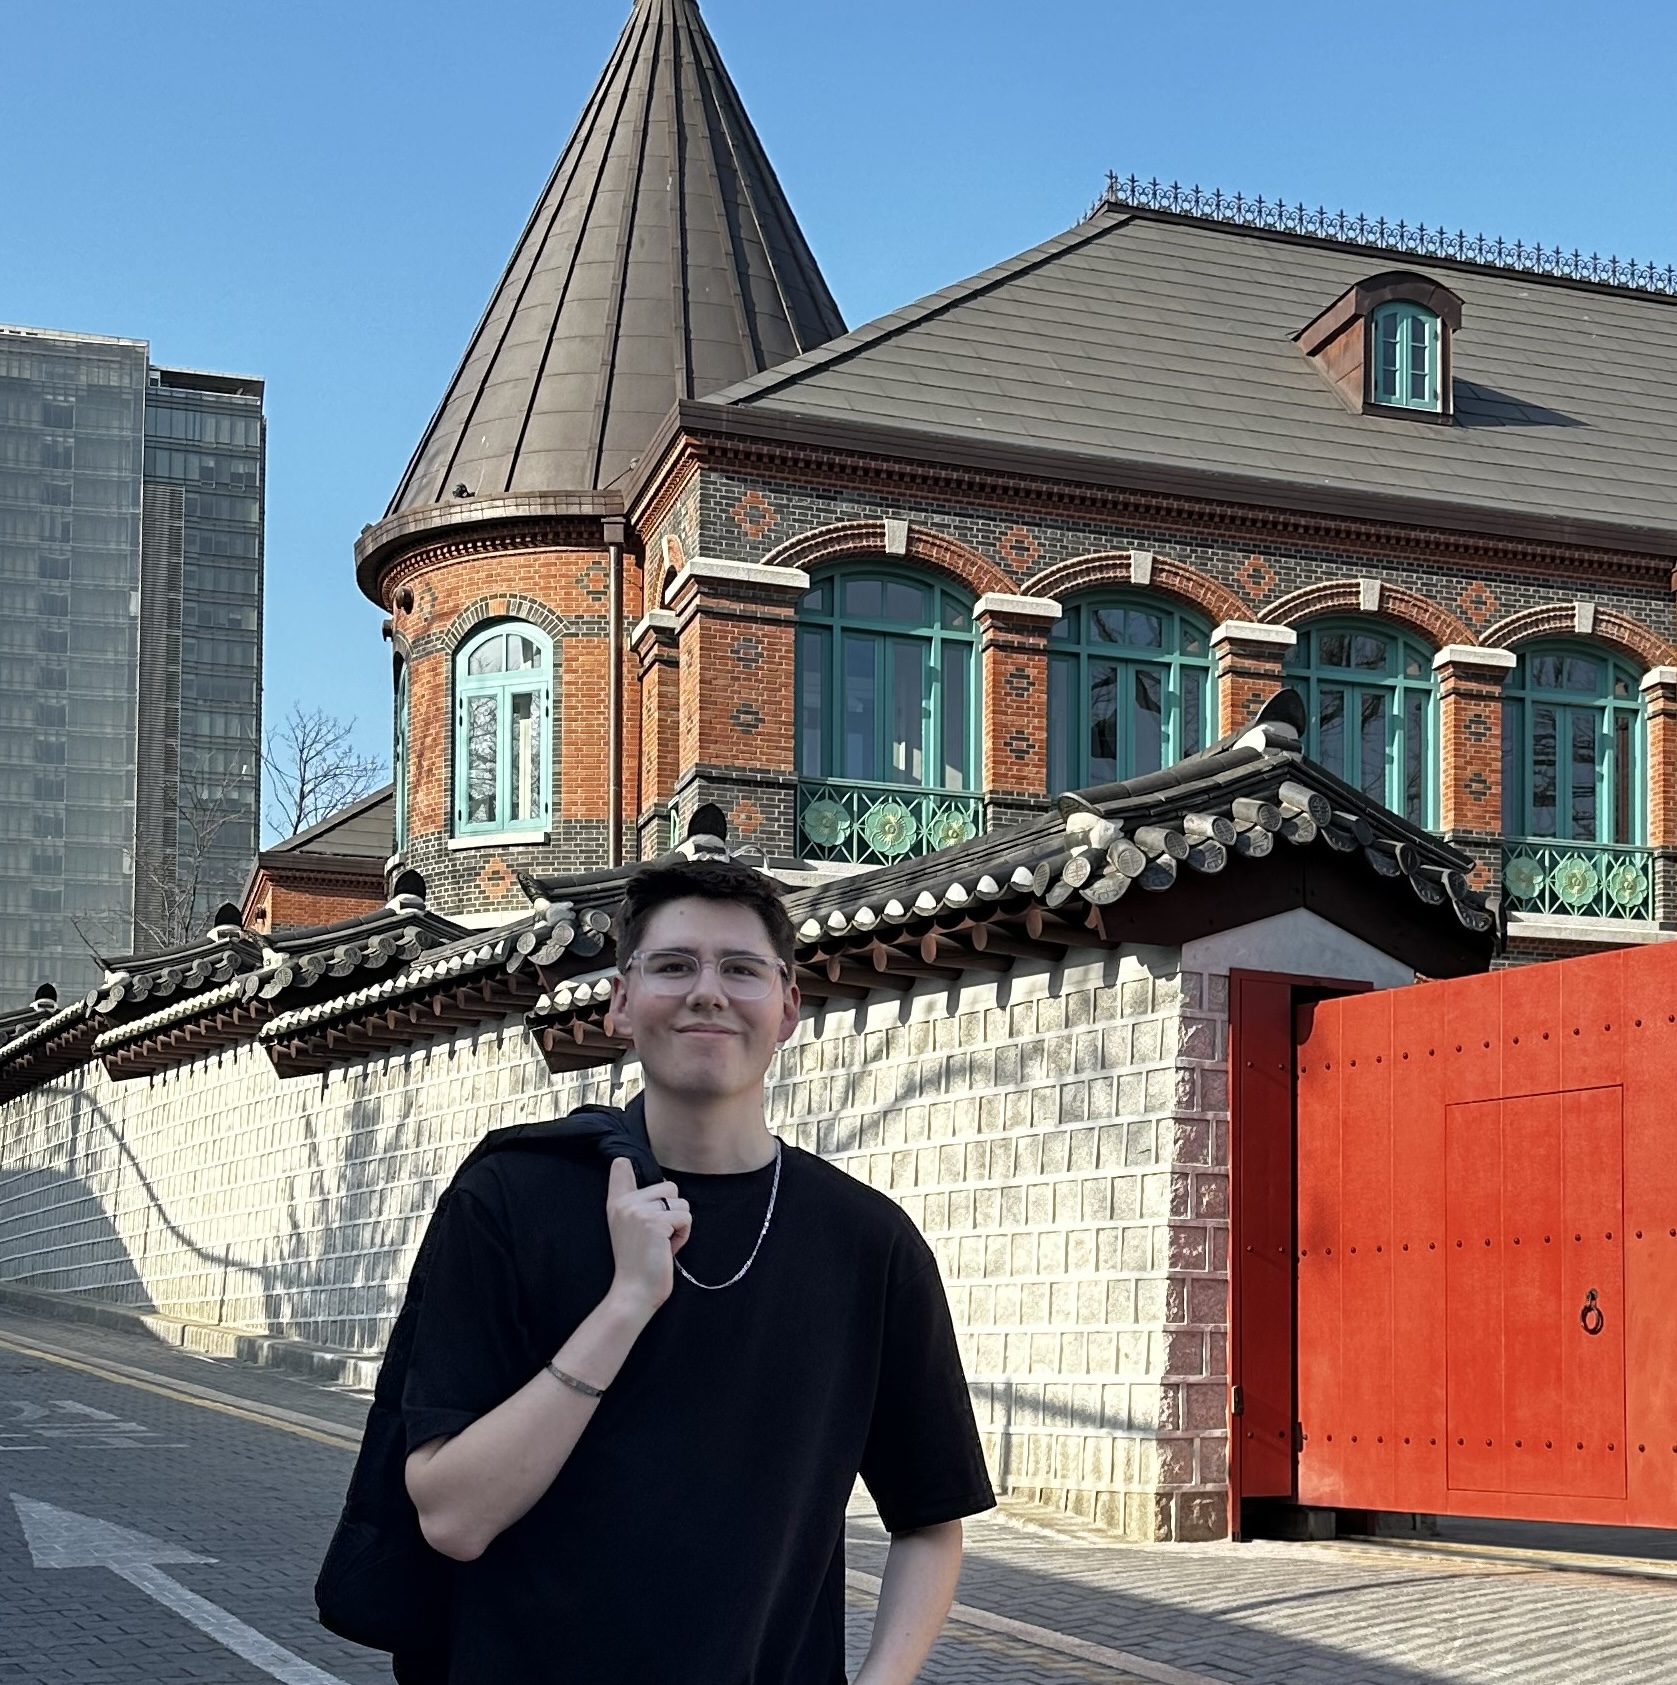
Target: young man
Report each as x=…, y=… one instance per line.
x=636, y=1414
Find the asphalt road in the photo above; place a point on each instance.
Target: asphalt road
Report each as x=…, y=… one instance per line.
x=226, y=1481
x=231, y=1477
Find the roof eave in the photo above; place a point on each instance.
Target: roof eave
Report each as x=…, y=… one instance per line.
x=383, y=542
x=798, y=429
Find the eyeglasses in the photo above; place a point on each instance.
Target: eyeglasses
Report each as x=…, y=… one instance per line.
x=673, y=971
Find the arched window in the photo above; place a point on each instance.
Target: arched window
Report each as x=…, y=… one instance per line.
x=887, y=705
x=399, y=755
x=1404, y=365
x=1572, y=747
x=503, y=726
x=1128, y=690
x=1369, y=692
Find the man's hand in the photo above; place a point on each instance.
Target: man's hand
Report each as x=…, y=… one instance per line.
x=648, y=1227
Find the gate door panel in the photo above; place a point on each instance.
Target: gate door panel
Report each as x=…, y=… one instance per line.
x=1534, y=1233
x=1487, y=1244
x=1263, y=1230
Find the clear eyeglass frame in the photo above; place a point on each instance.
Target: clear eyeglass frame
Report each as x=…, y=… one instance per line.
x=674, y=971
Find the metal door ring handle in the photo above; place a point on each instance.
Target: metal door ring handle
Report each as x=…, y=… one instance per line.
x=1591, y=1317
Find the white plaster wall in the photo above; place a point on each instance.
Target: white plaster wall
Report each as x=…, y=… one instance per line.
x=1299, y=943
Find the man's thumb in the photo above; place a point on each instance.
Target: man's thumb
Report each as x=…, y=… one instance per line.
x=622, y=1176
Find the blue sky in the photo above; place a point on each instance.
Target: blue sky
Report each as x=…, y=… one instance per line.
x=325, y=194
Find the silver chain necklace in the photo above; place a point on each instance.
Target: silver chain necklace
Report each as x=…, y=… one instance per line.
x=768, y=1217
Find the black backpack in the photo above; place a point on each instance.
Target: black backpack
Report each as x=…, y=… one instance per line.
x=381, y=1584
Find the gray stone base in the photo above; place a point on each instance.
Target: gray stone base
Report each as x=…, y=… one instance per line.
x=291, y=1356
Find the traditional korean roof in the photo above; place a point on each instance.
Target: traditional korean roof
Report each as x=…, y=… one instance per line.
x=1246, y=829
x=494, y=974
x=1153, y=346
x=661, y=262
x=153, y=1011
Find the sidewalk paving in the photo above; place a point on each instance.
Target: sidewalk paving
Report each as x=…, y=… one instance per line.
x=1344, y=1613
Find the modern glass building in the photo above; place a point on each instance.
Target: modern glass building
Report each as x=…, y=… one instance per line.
x=130, y=650
x=200, y=649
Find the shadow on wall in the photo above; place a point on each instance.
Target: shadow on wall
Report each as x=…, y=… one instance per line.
x=334, y=1276
x=1041, y=1433
x=324, y=1261
x=341, y=1262
x=82, y=1253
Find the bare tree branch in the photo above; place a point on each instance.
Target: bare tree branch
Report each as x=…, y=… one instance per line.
x=173, y=890
x=314, y=769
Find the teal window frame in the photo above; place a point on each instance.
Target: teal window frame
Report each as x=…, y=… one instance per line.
x=1546, y=708
x=1405, y=357
x=850, y=725
x=1360, y=713
x=1116, y=682
x=526, y=690
x=399, y=753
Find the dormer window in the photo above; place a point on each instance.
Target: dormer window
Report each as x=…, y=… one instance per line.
x=1385, y=345
x=1406, y=341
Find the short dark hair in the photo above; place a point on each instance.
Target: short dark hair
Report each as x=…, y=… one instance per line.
x=656, y=885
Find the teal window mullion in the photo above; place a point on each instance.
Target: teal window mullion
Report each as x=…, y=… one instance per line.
x=1563, y=702
x=1128, y=675
x=516, y=773
x=1406, y=343
x=503, y=752
x=1372, y=725
x=871, y=628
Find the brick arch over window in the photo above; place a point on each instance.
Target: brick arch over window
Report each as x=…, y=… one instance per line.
x=1560, y=620
x=1170, y=578
x=474, y=615
x=866, y=539
x=1398, y=606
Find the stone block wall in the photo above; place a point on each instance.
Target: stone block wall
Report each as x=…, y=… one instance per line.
x=1061, y=1137
x=1059, y=1134
x=220, y=1193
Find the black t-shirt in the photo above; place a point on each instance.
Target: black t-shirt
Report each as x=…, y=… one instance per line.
x=696, y=1533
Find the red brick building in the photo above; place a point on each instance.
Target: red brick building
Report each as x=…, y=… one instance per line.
x=675, y=537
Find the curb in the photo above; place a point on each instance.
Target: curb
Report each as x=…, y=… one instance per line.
x=292, y=1357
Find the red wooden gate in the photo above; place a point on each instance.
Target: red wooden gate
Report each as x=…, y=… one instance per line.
x=1487, y=1244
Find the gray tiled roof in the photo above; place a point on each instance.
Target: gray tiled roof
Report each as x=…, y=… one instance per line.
x=1167, y=342
x=365, y=828
x=662, y=262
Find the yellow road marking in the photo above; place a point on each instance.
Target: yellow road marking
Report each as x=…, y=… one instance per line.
x=184, y=1392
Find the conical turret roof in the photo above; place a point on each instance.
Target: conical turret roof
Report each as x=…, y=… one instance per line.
x=662, y=262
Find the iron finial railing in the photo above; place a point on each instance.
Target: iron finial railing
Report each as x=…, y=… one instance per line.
x=1414, y=239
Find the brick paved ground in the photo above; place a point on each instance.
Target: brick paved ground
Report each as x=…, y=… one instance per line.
x=1336, y=1614
x=261, y=1501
